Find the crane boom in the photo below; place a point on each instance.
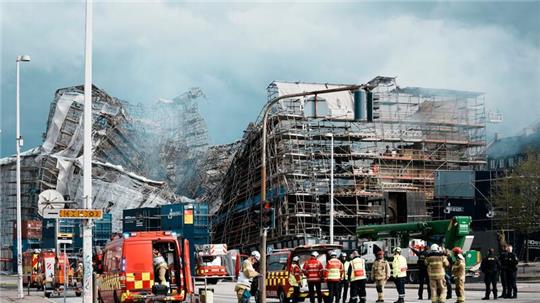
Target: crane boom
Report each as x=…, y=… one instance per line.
x=450, y=233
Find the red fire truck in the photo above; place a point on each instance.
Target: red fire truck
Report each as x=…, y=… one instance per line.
x=129, y=274
x=31, y=268
x=279, y=265
x=53, y=274
x=211, y=262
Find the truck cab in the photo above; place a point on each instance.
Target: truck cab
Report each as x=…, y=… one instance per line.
x=279, y=265
x=129, y=273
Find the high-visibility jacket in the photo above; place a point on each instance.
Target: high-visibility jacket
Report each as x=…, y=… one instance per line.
x=435, y=266
x=334, y=270
x=295, y=275
x=399, y=266
x=358, y=269
x=312, y=270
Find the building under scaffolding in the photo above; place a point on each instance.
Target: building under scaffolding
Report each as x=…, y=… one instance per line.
x=383, y=169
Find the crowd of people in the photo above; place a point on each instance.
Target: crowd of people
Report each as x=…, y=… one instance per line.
x=347, y=277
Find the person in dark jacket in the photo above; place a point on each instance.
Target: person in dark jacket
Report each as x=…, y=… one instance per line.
x=422, y=272
x=490, y=266
x=510, y=268
x=502, y=259
x=255, y=284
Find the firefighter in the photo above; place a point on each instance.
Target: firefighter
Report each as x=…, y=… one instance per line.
x=295, y=279
x=490, y=266
x=380, y=273
x=422, y=272
x=313, y=270
x=399, y=273
x=334, y=275
x=344, y=284
x=458, y=272
x=357, y=275
x=510, y=267
x=160, y=266
x=245, y=277
x=436, y=263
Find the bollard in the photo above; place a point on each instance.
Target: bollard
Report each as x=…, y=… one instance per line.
x=206, y=295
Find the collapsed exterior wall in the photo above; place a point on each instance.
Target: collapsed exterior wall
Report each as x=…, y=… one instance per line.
x=57, y=163
x=206, y=186
x=383, y=169
x=174, y=139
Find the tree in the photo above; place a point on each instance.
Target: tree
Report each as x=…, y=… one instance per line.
x=517, y=195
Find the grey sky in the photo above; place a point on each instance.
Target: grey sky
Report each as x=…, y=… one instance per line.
x=147, y=50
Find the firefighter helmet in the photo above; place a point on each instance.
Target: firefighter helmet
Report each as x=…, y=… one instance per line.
x=256, y=255
x=457, y=250
x=397, y=250
x=314, y=254
x=333, y=253
x=296, y=259
x=434, y=247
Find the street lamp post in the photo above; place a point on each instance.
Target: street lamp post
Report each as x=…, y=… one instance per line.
x=264, y=231
x=87, y=158
x=19, y=143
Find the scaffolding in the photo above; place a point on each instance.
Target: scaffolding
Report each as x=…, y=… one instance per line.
x=383, y=169
x=173, y=136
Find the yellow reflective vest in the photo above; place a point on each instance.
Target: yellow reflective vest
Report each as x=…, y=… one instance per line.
x=399, y=266
x=358, y=269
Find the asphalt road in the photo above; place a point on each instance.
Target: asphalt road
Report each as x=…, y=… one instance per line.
x=224, y=293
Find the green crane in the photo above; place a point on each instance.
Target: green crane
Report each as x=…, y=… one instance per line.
x=449, y=233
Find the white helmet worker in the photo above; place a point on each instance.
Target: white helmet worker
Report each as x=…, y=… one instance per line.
x=256, y=255
x=314, y=254
x=434, y=247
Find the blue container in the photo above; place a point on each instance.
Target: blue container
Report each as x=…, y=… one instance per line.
x=141, y=219
x=172, y=217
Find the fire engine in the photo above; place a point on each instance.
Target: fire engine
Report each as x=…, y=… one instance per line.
x=54, y=271
x=279, y=265
x=31, y=268
x=211, y=262
x=129, y=274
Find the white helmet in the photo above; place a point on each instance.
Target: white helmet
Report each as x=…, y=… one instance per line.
x=296, y=259
x=397, y=250
x=434, y=247
x=256, y=254
x=314, y=254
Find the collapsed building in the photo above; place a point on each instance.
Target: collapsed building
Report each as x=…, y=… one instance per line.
x=118, y=164
x=383, y=167
x=206, y=185
x=173, y=137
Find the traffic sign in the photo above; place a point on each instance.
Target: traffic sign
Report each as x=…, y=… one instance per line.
x=72, y=213
x=81, y=213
